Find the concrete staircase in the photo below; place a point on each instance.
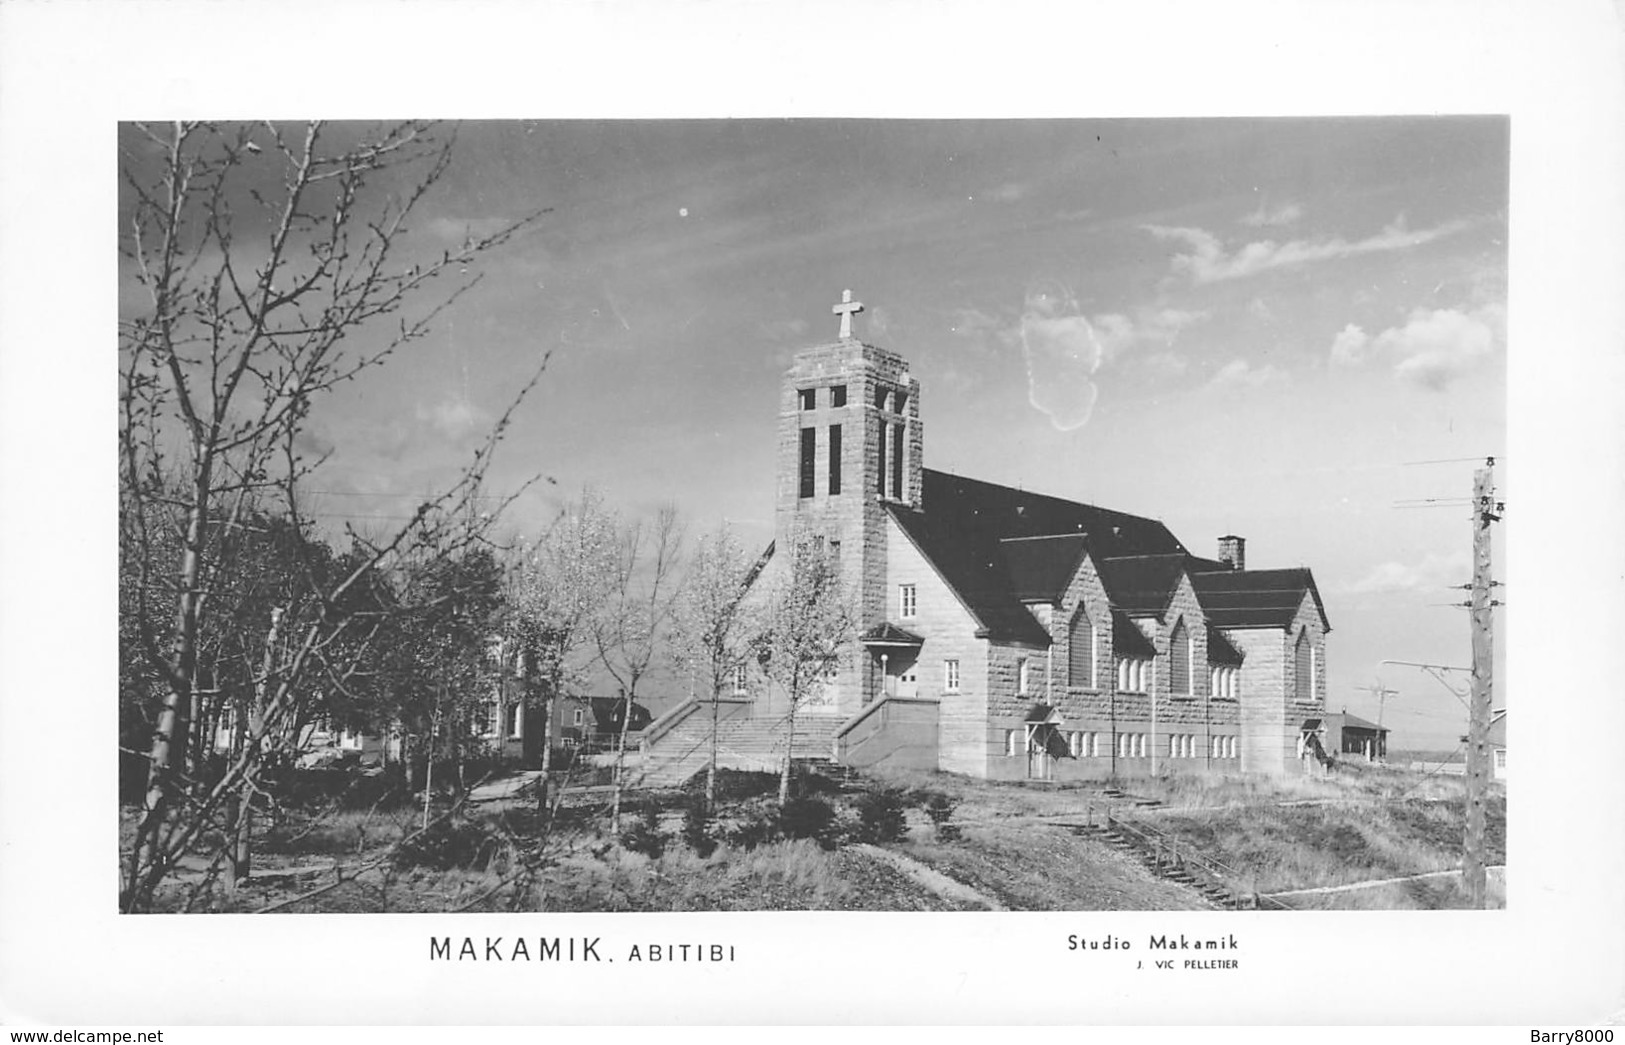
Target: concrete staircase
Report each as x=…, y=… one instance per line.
x=752, y=744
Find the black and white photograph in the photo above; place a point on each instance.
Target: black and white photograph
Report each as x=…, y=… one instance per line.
x=530, y=515
x=866, y=514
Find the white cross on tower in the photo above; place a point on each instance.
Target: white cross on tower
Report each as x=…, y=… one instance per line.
x=845, y=310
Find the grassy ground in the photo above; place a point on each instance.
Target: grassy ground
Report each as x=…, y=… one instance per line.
x=1361, y=823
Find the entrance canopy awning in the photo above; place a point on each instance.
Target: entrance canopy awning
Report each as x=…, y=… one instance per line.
x=1044, y=715
x=887, y=635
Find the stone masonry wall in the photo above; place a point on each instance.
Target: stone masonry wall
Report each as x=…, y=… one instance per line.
x=1271, y=716
x=855, y=517
x=949, y=632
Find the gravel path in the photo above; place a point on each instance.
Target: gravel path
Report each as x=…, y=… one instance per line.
x=932, y=879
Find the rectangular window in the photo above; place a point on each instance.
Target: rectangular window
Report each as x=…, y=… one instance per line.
x=835, y=551
x=881, y=395
x=905, y=600
x=837, y=395
x=880, y=478
x=898, y=432
x=578, y=718
x=834, y=459
x=1023, y=681
x=1012, y=742
x=741, y=680
x=898, y=401
x=808, y=398
x=1075, y=744
x=950, y=676
x=809, y=448
x=516, y=721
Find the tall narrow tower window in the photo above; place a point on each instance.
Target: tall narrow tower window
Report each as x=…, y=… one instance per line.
x=881, y=395
x=834, y=459
x=880, y=478
x=809, y=447
x=898, y=400
x=898, y=431
x=1302, y=682
x=1179, y=661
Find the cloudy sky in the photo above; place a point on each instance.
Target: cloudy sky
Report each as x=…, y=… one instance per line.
x=1233, y=325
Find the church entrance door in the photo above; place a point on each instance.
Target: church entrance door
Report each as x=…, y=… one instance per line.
x=908, y=682
x=1038, y=761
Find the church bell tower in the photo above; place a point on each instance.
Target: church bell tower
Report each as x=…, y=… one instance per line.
x=850, y=444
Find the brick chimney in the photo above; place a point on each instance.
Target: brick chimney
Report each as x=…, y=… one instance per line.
x=1233, y=551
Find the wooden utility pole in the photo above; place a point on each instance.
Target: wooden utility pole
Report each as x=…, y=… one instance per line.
x=1382, y=694
x=1485, y=511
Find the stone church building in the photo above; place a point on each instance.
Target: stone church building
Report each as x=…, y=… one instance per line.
x=1005, y=633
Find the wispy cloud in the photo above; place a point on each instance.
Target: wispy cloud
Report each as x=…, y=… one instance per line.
x=454, y=418
x=1009, y=192
x=1433, y=349
x=1265, y=217
x=1120, y=333
x=1433, y=571
x=784, y=329
x=455, y=230
x=1238, y=373
x=1205, y=258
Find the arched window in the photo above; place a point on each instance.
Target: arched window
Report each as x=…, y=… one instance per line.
x=1179, y=660
x=1303, y=687
x=1080, y=656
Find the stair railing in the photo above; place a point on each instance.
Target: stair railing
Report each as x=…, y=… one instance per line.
x=1167, y=853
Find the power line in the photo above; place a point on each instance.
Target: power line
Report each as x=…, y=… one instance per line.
x=1454, y=460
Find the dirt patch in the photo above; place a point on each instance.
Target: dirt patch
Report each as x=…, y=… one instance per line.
x=955, y=892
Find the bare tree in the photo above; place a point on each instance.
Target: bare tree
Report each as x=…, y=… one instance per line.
x=808, y=624
x=275, y=265
x=713, y=625
x=556, y=587
x=631, y=628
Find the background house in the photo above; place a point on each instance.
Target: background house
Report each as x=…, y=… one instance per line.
x=1350, y=735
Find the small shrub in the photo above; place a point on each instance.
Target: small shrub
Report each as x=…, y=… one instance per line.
x=940, y=808
x=880, y=817
x=807, y=782
x=644, y=836
x=448, y=844
x=751, y=824
x=734, y=785
x=809, y=818
x=697, y=829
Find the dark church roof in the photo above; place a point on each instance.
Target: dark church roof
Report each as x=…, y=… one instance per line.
x=1141, y=585
x=1220, y=650
x=1256, y=598
x=1128, y=640
x=1002, y=511
x=997, y=547
x=1042, y=567
x=971, y=530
